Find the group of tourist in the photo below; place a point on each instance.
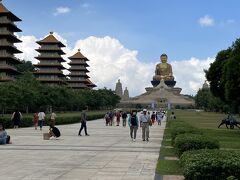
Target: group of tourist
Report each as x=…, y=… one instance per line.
x=39, y=119
x=144, y=120
x=109, y=118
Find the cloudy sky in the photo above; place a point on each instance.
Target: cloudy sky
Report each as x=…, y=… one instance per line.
x=124, y=39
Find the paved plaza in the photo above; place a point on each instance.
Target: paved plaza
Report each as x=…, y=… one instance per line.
x=107, y=154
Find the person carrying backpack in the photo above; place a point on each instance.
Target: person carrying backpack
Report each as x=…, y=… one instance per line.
x=133, y=124
x=124, y=117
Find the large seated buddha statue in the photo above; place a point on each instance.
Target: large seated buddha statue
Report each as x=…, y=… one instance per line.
x=163, y=72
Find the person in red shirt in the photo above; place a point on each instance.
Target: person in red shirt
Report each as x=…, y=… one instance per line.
x=118, y=115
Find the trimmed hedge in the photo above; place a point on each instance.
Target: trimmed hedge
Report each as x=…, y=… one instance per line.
x=210, y=165
x=188, y=141
x=182, y=129
x=28, y=121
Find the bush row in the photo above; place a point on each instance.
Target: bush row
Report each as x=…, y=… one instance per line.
x=200, y=156
x=210, y=164
x=28, y=121
x=180, y=127
x=188, y=141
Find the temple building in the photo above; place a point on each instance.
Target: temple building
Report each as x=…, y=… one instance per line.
x=162, y=94
x=7, y=48
x=78, y=72
x=49, y=69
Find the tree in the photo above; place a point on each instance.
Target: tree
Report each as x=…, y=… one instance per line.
x=224, y=76
x=26, y=66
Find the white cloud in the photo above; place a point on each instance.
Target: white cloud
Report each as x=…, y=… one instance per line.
x=110, y=61
x=61, y=10
x=206, y=21
x=189, y=74
x=28, y=47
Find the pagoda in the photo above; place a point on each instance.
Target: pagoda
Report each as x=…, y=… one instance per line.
x=90, y=84
x=7, y=48
x=78, y=72
x=49, y=69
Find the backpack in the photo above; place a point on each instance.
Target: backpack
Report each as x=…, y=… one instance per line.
x=134, y=120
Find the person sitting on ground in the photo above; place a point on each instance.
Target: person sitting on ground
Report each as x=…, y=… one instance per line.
x=53, y=131
x=172, y=116
x=4, y=138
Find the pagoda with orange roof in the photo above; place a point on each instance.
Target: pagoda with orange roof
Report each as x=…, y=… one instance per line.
x=78, y=72
x=7, y=48
x=49, y=69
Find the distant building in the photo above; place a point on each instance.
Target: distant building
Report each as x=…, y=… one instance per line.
x=125, y=95
x=205, y=85
x=118, y=89
x=49, y=69
x=78, y=72
x=7, y=48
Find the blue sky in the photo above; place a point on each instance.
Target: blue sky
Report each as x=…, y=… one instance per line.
x=150, y=27
x=124, y=39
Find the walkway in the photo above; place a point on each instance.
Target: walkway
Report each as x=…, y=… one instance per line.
x=108, y=153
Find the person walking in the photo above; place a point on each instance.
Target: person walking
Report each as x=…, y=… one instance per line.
x=35, y=120
x=83, y=123
x=111, y=117
x=118, y=116
x=159, y=117
x=41, y=119
x=52, y=120
x=133, y=124
x=153, y=117
x=124, y=118
x=16, y=118
x=106, y=117
x=144, y=123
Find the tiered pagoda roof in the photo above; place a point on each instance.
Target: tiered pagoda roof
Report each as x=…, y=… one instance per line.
x=78, y=72
x=49, y=69
x=7, y=48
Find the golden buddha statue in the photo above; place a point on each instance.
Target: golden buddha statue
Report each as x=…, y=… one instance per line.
x=163, y=70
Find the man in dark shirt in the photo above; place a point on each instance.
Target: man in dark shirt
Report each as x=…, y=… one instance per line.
x=83, y=123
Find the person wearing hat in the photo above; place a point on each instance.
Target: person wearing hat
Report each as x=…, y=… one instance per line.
x=144, y=123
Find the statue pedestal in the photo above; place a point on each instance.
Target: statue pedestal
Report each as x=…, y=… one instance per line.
x=155, y=83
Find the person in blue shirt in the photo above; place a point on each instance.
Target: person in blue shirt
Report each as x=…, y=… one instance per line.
x=4, y=138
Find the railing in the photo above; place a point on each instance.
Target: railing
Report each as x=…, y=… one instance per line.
x=49, y=64
x=49, y=56
x=49, y=72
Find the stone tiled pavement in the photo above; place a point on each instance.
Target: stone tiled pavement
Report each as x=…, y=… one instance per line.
x=107, y=154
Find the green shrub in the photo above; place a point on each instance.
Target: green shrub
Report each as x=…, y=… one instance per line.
x=28, y=121
x=186, y=142
x=182, y=130
x=210, y=165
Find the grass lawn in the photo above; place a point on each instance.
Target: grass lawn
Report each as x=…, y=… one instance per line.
x=169, y=167
x=207, y=122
